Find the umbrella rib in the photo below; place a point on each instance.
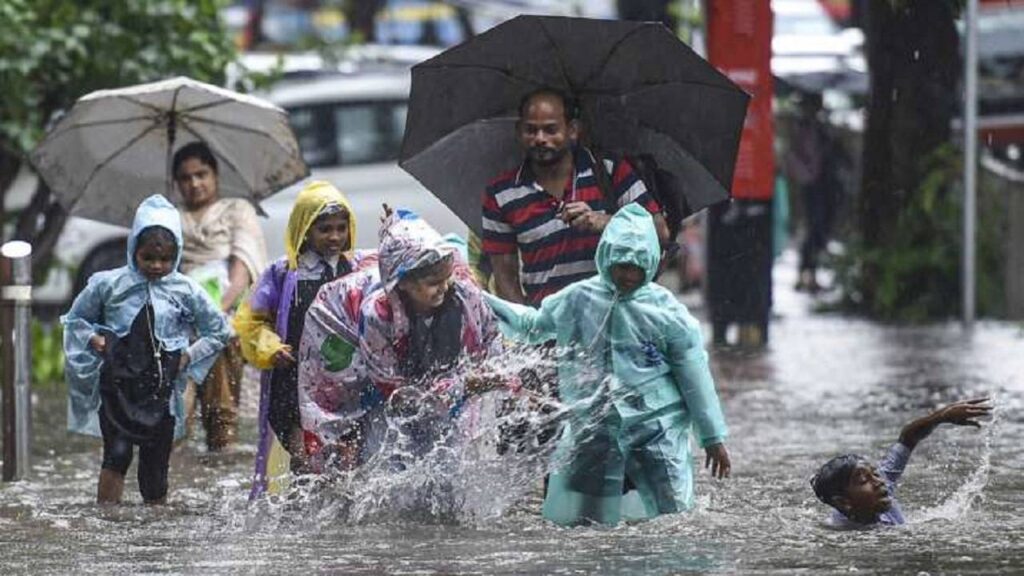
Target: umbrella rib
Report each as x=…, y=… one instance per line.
x=140, y=104
x=642, y=87
x=99, y=123
x=560, y=59
x=230, y=126
x=111, y=158
x=208, y=105
x=611, y=53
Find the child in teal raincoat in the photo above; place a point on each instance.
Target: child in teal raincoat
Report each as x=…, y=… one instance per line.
x=634, y=375
x=130, y=339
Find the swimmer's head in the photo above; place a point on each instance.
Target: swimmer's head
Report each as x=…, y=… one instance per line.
x=850, y=484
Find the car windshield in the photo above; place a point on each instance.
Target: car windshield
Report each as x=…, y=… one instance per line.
x=349, y=133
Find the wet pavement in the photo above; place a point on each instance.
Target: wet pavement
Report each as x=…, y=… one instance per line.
x=825, y=385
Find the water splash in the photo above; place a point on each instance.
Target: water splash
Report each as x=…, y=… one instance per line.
x=429, y=468
x=968, y=494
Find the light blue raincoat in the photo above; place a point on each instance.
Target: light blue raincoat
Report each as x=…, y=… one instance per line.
x=634, y=372
x=113, y=299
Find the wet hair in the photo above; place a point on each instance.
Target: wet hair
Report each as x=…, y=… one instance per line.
x=197, y=150
x=422, y=272
x=834, y=476
x=569, y=104
x=155, y=235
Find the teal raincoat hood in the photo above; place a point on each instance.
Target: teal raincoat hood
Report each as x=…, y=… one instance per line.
x=629, y=238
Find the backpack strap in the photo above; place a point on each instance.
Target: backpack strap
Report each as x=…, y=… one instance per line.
x=604, y=181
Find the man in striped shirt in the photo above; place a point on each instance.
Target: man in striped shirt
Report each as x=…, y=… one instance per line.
x=550, y=211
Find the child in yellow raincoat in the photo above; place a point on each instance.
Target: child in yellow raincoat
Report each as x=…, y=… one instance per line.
x=318, y=245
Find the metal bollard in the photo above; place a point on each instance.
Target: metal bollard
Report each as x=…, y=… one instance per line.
x=16, y=351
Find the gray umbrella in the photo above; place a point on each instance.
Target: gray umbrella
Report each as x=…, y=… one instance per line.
x=114, y=147
x=640, y=89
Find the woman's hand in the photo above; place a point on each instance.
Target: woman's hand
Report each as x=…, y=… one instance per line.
x=717, y=457
x=283, y=358
x=479, y=384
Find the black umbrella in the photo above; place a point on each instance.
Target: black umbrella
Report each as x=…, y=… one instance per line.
x=641, y=91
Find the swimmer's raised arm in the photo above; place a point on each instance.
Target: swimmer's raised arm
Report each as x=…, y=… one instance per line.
x=963, y=413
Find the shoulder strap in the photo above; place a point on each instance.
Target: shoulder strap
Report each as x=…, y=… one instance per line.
x=604, y=181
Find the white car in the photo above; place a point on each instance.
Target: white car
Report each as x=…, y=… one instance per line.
x=349, y=127
x=805, y=40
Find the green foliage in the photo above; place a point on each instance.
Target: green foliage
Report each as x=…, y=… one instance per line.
x=47, y=353
x=55, y=51
x=918, y=273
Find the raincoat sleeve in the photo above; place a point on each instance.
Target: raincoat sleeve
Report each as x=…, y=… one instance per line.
x=211, y=330
x=525, y=324
x=689, y=363
x=82, y=364
x=256, y=336
x=255, y=320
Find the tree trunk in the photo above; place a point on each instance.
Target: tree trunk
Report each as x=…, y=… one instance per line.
x=914, y=61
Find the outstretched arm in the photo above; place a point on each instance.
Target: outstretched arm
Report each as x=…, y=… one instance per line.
x=963, y=413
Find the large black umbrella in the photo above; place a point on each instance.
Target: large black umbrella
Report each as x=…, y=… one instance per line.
x=641, y=91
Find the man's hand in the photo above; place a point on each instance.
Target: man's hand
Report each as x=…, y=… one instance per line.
x=479, y=383
x=963, y=413
x=283, y=358
x=184, y=361
x=717, y=457
x=580, y=216
x=98, y=343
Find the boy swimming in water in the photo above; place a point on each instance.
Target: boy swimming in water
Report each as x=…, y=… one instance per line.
x=862, y=494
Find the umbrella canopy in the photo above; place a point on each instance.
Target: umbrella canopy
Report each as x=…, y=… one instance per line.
x=639, y=88
x=114, y=147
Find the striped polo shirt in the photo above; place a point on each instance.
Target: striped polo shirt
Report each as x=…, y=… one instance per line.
x=518, y=214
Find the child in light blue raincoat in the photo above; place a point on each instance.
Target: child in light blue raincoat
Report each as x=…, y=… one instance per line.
x=634, y=375
x=130, y=339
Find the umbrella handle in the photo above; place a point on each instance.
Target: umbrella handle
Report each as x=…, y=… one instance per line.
x=172, y=133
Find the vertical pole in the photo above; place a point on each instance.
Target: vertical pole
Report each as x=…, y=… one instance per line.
x=16, y=352
x=970, y=158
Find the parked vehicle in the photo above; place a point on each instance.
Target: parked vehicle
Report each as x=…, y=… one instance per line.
x=806, y=40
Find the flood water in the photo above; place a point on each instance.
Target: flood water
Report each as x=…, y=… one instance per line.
x=824, y=386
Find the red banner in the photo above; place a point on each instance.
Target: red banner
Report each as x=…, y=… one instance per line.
x=740, y=45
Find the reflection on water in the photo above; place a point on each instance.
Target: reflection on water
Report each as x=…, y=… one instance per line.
x=826, y=385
